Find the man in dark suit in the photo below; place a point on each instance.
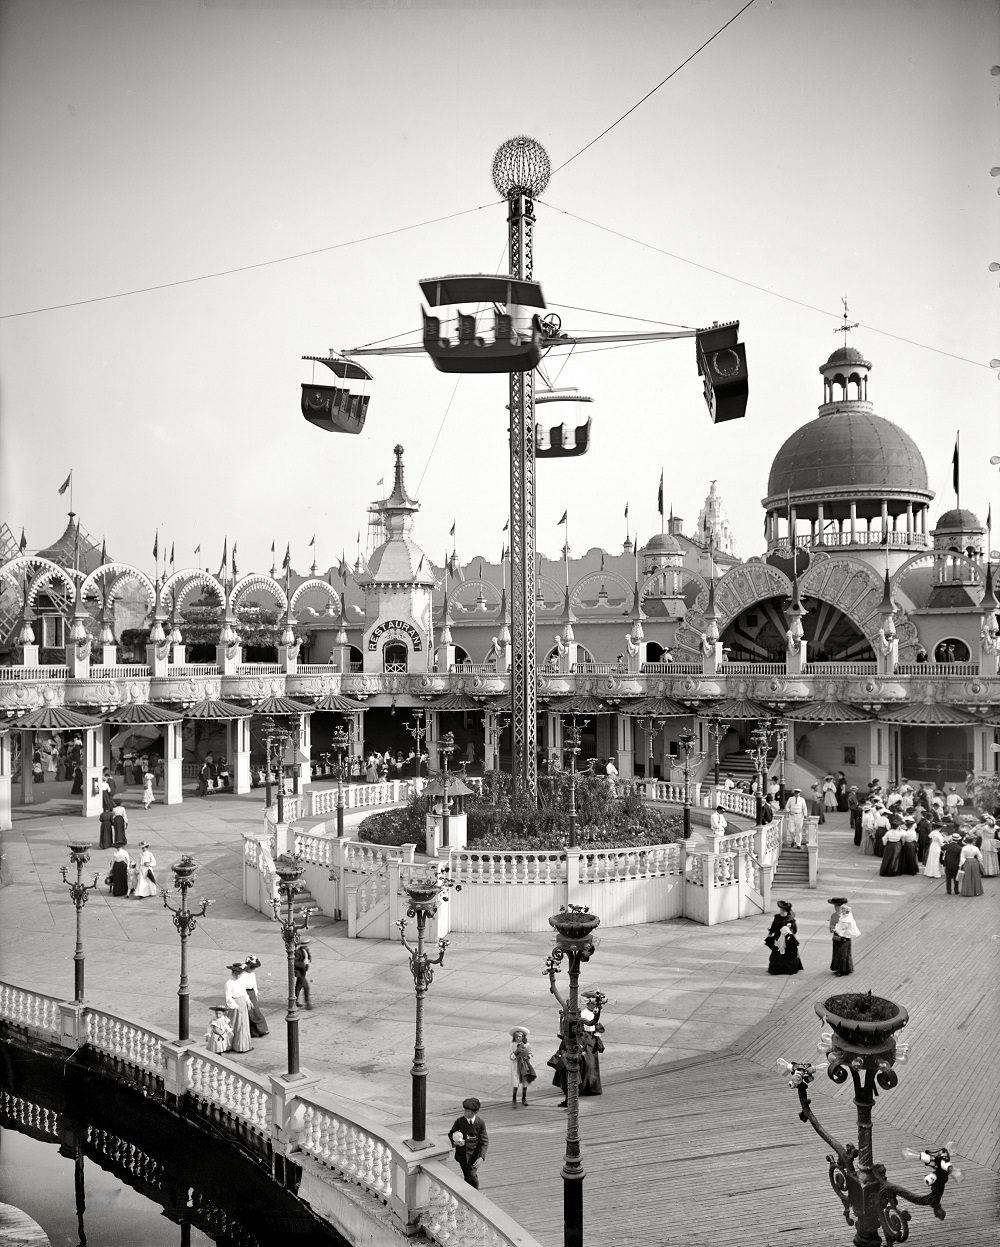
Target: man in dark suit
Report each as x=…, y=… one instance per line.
x=951, y=855
x=470, y=1140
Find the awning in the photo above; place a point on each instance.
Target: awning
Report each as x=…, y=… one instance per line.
x=140, y=712
x=456, y=701
x=339, y=704
x=215, y=708
x=827, y=712
x=281, y=705
x=657, y=708
x=585, y=704
x=737, y=708
x=929, y=714
x=53, y=719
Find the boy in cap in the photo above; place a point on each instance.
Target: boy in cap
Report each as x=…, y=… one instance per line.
x=470, y=1140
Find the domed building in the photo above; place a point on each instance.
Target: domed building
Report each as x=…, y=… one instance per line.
x=849, y=479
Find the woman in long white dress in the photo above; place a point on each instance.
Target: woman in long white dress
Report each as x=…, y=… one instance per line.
x=933, y=868
x=237, y=1009
x=990, y=846
x=146, y=881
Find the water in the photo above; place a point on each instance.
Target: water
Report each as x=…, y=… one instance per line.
x=36, y=1178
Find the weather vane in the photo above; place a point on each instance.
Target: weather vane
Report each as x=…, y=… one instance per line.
x=846, y=327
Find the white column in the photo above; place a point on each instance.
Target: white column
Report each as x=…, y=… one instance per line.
x=854, y=522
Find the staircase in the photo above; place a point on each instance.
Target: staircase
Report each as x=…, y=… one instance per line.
x=740, y=767
x=792, y=869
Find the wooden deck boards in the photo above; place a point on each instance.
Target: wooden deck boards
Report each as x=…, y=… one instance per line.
x=710, y=1152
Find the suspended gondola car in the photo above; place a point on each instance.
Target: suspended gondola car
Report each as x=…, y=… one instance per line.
x=722, y=363
x=550, y=441
x=332, y=407
x=515, y=341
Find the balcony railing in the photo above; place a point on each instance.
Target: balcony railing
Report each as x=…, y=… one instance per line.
x=876, y=538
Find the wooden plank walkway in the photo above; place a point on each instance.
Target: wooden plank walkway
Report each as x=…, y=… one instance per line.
x=710, y=1151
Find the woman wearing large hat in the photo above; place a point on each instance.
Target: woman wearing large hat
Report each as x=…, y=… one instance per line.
x=783, y=942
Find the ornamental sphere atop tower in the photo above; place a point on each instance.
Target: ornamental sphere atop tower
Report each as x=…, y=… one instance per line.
x=521, y=166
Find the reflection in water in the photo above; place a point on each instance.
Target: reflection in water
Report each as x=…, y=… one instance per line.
x=93, y=1160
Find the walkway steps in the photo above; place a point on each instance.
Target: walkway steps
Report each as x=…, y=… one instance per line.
x=792, y=870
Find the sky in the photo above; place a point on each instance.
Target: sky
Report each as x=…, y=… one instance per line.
x=195, y=195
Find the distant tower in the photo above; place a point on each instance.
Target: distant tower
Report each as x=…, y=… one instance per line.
x=714, y=528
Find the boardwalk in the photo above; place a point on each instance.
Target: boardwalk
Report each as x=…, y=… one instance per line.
x=695, y=1141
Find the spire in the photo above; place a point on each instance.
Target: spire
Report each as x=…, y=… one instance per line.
x=989, y=604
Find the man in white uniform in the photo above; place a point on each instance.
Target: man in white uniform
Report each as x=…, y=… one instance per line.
x=796, y=807
x=718, y=821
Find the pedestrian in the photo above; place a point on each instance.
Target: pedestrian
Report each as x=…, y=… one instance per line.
x=843, y=929
x=470, y=1139
x=219, y=1035
x=908, y=864
x=854, y=809
x=718, y=821
x=892, y=852
x=796, y=808
x=951, y=855
x=783, y=942
x=237, y=1009
x=923, y=833
x=147, y=789
x=882, y=825
x=816, y=804
x=932, y=867
x=970, y=868
x=522, y=1071
x=108, y=790
x=557, y=1062
x=258, y=1023
x=145, y=884
x=867, y=829
x=303, y=960
x=840, y=789
x=829, y=793
x=989, y=846
x=204, y=775
x=121, y=863
x=953, y=802
x=591, y=1046
x=107, y=840
x=119, y=821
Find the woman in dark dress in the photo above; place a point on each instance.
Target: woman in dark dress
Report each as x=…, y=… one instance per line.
x=590, y=1049
x=908, y=848
x=892, y=852
x=77, y=789
x=120, y=864
x=781, y=939
x=107, y=830
x=843, y=928
x=557, y=1063
x=841, y=792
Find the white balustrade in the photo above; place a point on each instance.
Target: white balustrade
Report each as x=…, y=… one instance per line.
x=183, y=669
x=29, y=1010
x=935, y=670
x=125, y=1041
x=451, y=1222
x=737, y=802
x=372, y=890
x=229, y=1089
x=34, y=673
x=841, y=668
x=499, y=866
x=316, y=850
x=119, y=671
x=260, y=668
x=347, y=1148
x=671, y=668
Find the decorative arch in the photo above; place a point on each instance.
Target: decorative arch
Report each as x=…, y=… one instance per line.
x=39, y=570
x=188, y=579
x=550, y=586
x=599, y=578
x=487, y=591
x=120, y=574
x=850, y=585
x=255, y=580
x=740, y=588
x=322, y=586
x=929, y=559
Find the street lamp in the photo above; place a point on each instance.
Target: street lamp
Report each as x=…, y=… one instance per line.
x=781, y=736
x=276, y=737
x=571, y=744
x=691, y=756
x=717, y=731
x=447, y=747
x=340, y=740
x=574, y=926
x=760, y=739
x=860, y=1043
x=185, y=920
x=79, y=855
x=290, y=871
x=425, y=890
x=418, y=730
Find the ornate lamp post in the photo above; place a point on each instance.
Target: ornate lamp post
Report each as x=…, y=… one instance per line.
x=861, y=1044
x=447, y=747
x=276, y=737
x=781, y=736
x=295, y=737
x=79, y=852
x=571, y=743
x=760, y=739
x=418, y=730
x=425, y=890
x=574, y=926
x=185, y=920
x=717, y=731
x=340, y=740
x=691, y=757
x=290, y=871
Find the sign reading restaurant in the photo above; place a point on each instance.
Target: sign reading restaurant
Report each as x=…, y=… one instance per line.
x=394, y=627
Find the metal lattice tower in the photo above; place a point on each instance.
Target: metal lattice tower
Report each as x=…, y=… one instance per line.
x=521, y=172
